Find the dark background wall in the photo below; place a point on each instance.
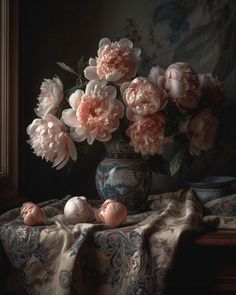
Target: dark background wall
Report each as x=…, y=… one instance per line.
x=54, y=31
x=199, y=32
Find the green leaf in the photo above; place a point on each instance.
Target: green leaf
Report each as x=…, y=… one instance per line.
x=184, y=121
x=81, y=84
x=67, y=68
x=82, y=64
x=176, y=162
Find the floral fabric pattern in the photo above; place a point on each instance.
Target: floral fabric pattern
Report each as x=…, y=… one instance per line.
x=92, y=258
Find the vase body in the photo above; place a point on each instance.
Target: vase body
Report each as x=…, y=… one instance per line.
x=124, y=176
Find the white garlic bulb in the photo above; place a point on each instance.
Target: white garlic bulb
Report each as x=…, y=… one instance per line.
x=77, y=210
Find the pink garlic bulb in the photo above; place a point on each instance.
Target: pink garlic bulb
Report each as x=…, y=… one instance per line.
x=112, y=213
x=32, y=214
x=77, y=210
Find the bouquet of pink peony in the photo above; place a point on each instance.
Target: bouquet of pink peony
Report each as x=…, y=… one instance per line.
x=110, y=101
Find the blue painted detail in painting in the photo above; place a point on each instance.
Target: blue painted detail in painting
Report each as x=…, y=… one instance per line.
x=125, y=180
x=175, y=15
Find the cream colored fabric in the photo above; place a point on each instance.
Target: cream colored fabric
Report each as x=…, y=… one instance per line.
x=91, y=258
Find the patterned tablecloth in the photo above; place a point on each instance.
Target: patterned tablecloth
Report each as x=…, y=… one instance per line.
x=91, y=258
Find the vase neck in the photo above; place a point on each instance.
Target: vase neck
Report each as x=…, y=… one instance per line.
x=121, y=147
x=122, y=151
x=123, y=155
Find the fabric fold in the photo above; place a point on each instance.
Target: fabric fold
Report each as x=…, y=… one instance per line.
x=92, y=258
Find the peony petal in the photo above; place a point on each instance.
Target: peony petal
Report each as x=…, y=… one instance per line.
x=155, y=73
x=59, y=158
x=131, y=115
x=39, y=112
x=63, y=163
x=33, y=126
x=102, y=83
x=72, y=150
x=92, y=61
x=110, y=92
x=90, y=73
x=54, y=119
x=136, y=52
x=92, y=87
x=121, y=108
x=175, y=71
x=116, y=75
x=90, y=139
x=175, y=88
x=75, y=98
x=104, y=138
x=47, y=107
x=125, y=43
x=69, y=117
x=78, y=134
x=59, y=82
x=56, y=93
x=161, y=80
x=123, y=87
x=104, y=41
x=138, y=80
x=50, y=97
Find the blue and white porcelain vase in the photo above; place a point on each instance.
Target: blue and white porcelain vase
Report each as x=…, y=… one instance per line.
x=125, y=176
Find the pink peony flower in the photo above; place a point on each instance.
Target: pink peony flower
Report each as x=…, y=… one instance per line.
x=182, y=85
x=116, y=61
x=49, y=139
x=201, y=131
x=50, y=97
x=147, y=134
x=94, y=114
x=142, y=97
x=212, y=90
x=157, y=77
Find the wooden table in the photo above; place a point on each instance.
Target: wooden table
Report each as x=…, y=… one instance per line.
x=205, y=264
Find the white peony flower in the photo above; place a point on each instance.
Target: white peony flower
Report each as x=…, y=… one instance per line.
x=50, y=97
x=49, y=139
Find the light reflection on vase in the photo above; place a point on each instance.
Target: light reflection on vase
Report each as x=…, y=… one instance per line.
x=125, y=177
